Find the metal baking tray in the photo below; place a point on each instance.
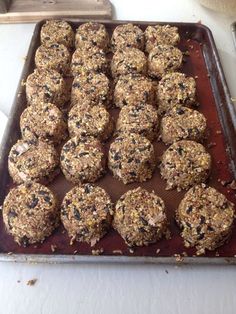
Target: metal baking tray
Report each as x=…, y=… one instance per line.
x=215, y=103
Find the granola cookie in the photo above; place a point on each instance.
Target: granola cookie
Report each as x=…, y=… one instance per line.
x=141, y=119
x=161, y=35
x=140, y=217
x=57, y=31
x=134, y=89
x=205, y=217
x=131, y=158
x=183, y=123
x=82, y=159
x=127, y=35
x=33, y=160
x=184, y=164
x=164, y=59
x=86, y=213
x=30, y=213
x=44, y=122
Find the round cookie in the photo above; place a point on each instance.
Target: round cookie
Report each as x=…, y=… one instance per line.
x=86, y=213
x=164, y=59
x=82, y=160
x=140, y=217
x=134, y=89
x=87, y=60
x=161, y=35
x=53, y=56
x=128, y=60
x=57, y=31
x=182, y=123
x=44, y=122
x=184, y=164
x=92, y=34
x=46, y=86
x=93, y=87
x=131, y=158
x=30, y=213
x=141, y=119
x=206, y=218
x=175, y=89
x=32, y=160
x=127, y=35
x=93, y=121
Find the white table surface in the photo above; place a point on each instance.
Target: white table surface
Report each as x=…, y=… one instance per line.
x=117, y=288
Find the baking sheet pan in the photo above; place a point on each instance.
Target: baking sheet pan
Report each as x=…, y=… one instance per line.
x=215, y=103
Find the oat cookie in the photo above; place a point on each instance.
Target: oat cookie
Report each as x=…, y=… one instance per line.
x=134, y=89
x=164, y=59
x=93, y=87
x=86, y=213
x=140, y=217
x=161, y=35
x=46, y=86
x=127, y=35
x=205, y=217
x=43, y=121
x=82, y=160
x=30, y=213
x=57, y=31
x=89, y=60
x=183, y=123
x=141, y=119
x=53, y=56
x=184, y=164
x=33, y=160
x=128, y=60
x=175, y=89
x=131, y=158
x=92, y=34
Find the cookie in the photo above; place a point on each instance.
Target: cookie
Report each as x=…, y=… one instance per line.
x=44, y=122
x=140, y=217
x=131, y=158
x=164, y=59
x=30, y=213
x=141, y=119
x=82, y=160
x=205, y=217
x=33, y=160
x=184, y=164
x=86, y=213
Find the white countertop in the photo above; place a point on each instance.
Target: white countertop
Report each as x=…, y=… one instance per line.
x=117, y=288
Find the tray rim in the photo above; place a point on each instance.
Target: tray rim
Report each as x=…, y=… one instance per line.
x=229, y=111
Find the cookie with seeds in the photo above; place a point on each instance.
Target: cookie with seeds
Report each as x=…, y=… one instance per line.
x=184, y=164
x=53, y=56
x=131, y=158
x=182, y=123
x=205, y=217
x=30, y=213
x=164, y=59
x=33, y=160
x=141, y=119
x=57, y=31
x=134, y=89
x=175, y=89
x=161, y=35
x=44, y=122
x=92, y=34
x=140, y=217
x=86, y=213
x=128, y=60
x=127, y=35
x=82, y=159
x=47, y=86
